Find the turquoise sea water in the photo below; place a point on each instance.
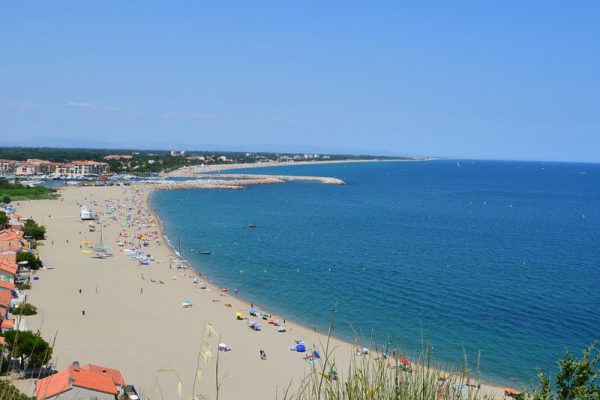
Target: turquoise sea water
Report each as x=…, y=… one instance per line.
x=497, y=257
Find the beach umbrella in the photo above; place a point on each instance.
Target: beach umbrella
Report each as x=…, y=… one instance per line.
x=253, y=311
x=404, y=361
x=281, y=328
x=278, y=322
x=300, y=348
x=239, y=314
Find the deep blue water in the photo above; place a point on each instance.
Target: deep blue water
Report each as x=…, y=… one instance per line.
x=497, y=257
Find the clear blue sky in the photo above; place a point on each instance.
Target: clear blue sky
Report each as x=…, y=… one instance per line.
x=510, y=79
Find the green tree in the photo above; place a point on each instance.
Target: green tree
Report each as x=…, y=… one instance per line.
x=3, y=219
x=25, y=309
x=33, y=230
x=575, y=379
x=30, y=347
x=33, y=261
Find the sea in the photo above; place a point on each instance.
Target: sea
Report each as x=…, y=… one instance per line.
x=492, y=262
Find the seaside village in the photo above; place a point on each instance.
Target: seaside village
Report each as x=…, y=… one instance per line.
x=48, y=169
x=84, y=381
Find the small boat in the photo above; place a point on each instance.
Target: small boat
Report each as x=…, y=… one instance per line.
x=251, y=225
x=206, y=253
x=102, y=255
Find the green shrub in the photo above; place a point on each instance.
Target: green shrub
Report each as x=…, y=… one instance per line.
x=3, y=219
x=25, y=309
x=33, y=230
x=33, y=261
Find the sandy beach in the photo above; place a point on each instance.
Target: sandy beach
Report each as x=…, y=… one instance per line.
x=217, y=168
x=137, y=324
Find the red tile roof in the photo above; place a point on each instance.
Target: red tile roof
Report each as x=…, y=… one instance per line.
x=9, y=246
x=5, y=297
x=7, y=324
x=91, y=377
x=10, y=268
x=114, y=374
x=10, y=258
x=10, y=234
x=53, y=385
x=7, y=285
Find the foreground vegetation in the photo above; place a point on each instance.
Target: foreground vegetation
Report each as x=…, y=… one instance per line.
x=15, y=191
x=9, y=392
x=370, y=378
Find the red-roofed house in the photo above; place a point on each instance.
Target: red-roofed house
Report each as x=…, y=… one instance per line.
x=86, y=382
x=7, y=325
x=7, y=286
x=10, y=234
x=10, y=240
x=4, y=302
x=8, y=257
x=8, y=271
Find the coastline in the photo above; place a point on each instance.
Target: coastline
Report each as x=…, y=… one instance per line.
x=194, y=170
x=181, y=358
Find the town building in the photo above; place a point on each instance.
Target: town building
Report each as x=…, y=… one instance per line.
x=33, y=167
x=118, y=157
x=81, y=382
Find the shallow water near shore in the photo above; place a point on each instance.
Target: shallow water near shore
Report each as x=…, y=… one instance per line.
x=496, y=257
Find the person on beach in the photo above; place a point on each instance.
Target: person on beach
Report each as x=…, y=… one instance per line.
x=141, y=290
x=79, y=291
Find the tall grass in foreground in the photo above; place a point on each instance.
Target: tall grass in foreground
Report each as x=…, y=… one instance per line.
x=383, y=375
x=375, y=377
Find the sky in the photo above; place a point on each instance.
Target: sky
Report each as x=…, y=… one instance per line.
x=497, y=80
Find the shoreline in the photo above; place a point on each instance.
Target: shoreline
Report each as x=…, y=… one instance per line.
x=161, y=348
x=199, y=170
x=487, y=387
